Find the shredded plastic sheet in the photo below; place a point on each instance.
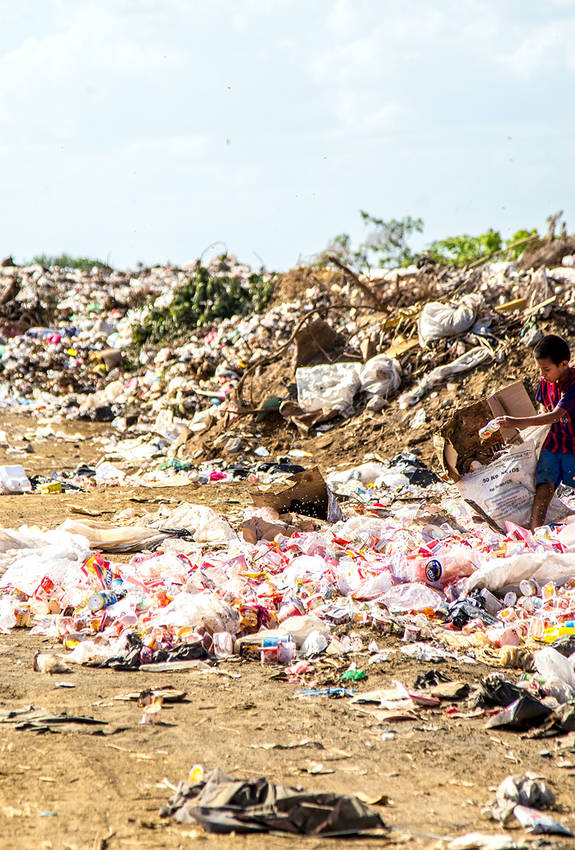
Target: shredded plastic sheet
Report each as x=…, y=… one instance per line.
x=224, y=804
x=470, y=360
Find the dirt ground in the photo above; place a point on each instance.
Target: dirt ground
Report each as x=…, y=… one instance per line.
x=101, y=787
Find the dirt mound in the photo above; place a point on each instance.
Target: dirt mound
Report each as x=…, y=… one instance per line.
x=297, y=284
x=548, y=254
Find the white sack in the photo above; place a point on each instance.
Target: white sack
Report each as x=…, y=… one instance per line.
x=563, y=273
x=438, y=320
x=505, y=488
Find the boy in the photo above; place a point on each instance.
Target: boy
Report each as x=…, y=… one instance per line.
x=556, y=393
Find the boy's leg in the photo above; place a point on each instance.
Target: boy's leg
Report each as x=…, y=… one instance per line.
x=547, y=476
x=541, y=500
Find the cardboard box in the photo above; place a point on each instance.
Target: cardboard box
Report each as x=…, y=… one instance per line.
x=459, y=444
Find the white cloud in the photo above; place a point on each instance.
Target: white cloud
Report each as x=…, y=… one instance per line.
x=52, y=81
x=545, y=48
x=342, y=19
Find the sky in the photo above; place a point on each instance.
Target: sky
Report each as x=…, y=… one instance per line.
x=148, y=130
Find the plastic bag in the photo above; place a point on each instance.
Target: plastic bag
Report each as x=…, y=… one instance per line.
x=367, y=473
x=381, y=375
x=301, y=627
x=411, y=597
x=555, y=667
x=470, y=360
x=59, y=559
x=506, y=573
x=329, y=387
x=107, y=473
x=314, y=643
x=202, y=611
x=374, y=587
x=204, y=524
x=439, y=320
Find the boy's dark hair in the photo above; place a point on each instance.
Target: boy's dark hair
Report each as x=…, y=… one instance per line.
x=552, y=347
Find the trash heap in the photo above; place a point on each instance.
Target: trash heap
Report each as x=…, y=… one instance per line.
x=409, y=557
x=69, y=338
x=284, y=585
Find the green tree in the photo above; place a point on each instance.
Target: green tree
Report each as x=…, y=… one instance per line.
x=464, y=249
x=385, y=246
x=521, y=235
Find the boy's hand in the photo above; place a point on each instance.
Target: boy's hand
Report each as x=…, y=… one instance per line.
x=505, y=422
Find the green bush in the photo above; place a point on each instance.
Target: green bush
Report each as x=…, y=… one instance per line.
x=520, y=236
x=464, y=249
x=65, y=261
x=203, y=299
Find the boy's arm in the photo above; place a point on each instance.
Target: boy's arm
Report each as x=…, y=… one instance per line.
x=528, y=421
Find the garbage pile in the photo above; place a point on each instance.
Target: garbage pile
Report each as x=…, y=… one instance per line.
x=365, y=562
x=279, y=585
x=69, y=340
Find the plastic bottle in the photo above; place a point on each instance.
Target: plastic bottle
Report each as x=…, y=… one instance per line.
x=488, y=430
x=104, y=598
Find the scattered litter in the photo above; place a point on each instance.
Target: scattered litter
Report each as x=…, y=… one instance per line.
x=224, y=805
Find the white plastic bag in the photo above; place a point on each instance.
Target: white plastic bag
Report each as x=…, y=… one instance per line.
x=329, y=387
x=107, y=473
x=506, y=573
x=301, y=627
x=380, y=376
x=202, y=611
x=556, y=670
x=411, y=597
x=59, y=557
x=470, y=360
x=204, y=524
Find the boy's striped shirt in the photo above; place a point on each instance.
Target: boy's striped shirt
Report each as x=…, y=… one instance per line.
x=561, y=437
